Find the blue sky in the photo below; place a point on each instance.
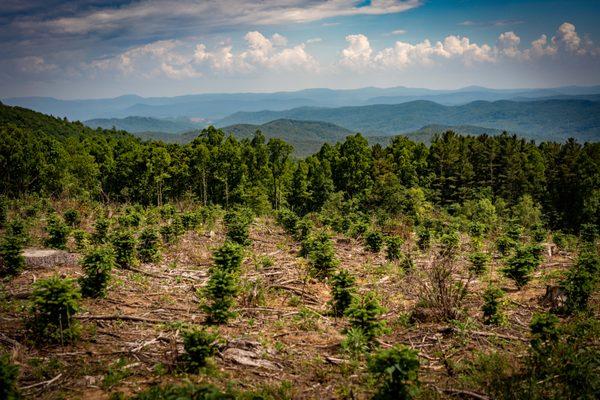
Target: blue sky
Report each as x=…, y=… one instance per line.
x=102, y=48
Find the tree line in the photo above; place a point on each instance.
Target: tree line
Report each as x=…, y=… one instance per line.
x=54, y=157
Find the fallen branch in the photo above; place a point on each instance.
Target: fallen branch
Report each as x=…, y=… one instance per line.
x=462, y=393
x=44, y=383
x=485, y=334
x=121, y=318
x=299, y=292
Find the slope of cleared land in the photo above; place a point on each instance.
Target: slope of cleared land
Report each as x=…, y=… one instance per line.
x=283, y=339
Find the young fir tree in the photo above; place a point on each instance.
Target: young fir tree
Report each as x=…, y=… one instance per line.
x=97, y=265
x=364, y=313
x=342, y=291
x=55, y=302
x=492, y=306
x=374, y=241
x=148, y=248
x=521, y=265
x=124, y=245
x=11, y=249
x=394, y=248
x=397, y=371
x=199, y=345
x=58, y=232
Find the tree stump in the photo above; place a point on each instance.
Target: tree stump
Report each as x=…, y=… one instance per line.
x=48, y=258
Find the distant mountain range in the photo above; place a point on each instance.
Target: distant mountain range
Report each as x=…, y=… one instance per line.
x=307, y=137
x=145, y=124
x=540, y=120
x=211, y=107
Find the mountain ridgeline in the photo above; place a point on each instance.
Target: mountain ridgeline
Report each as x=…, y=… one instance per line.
x=539, y=120
x=214, y=106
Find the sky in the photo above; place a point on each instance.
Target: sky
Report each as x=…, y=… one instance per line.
x=107, y=48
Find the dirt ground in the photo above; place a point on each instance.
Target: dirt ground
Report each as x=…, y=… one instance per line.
x=282, y=340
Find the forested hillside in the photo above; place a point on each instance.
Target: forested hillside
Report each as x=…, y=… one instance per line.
x=145, y=124
x=539, y=120
x=226, y=268
x=38, y=153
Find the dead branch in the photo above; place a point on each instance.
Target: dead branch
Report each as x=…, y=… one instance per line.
x=122, y=318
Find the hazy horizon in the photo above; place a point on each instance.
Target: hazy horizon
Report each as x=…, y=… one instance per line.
x=91, y=49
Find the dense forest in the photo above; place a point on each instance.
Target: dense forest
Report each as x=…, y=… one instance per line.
x=232, y=269
x=52, y=157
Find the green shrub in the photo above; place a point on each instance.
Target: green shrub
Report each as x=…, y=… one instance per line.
x=478, y=262
x=148, y=248
x=237, y=223
x=55, y=302
x=423, y=238
x=131, y=219
x=505, y=244
x=11, y=253
x=514, y=232
x=82, y=239
x=374, y=241
x=588, y=233
x=397, y=370
x=303, y=229
x=539, y=234
x=168, y=234
x=477, y=229
x=72, y=218
x=3, y=211
x=544, y=334
x=97, y=266
x=581, y=281
x=288, y=220
x=191, y=220
x=188, y=391
x=228, y=257
x=394, y=247
x=358, y=228
x=450, y=244
x=199, y=345
x=101, y=227
x=492, y=306
x=58, y=233
x=321, y=255
x=342, y=291
x=124, y=244
x=364, y=313
x=220, y=292
x=520, y=266
x=9, y=374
